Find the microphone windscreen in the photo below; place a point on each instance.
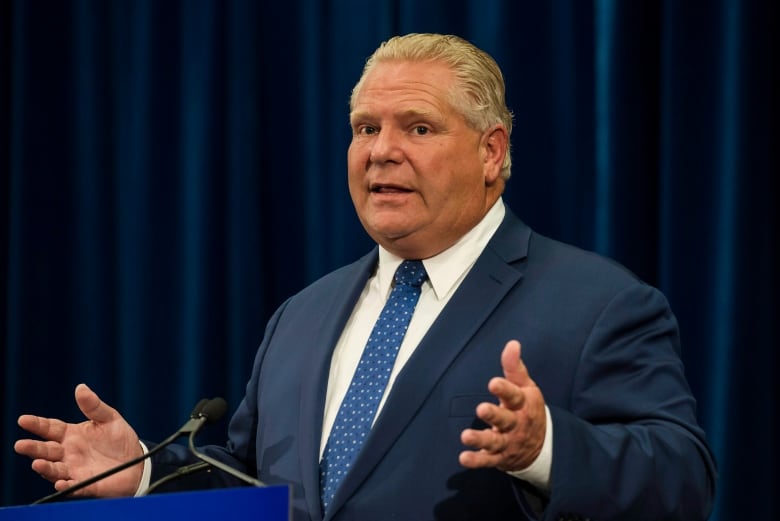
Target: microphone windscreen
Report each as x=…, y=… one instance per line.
x=198, y=408
x=214, y=409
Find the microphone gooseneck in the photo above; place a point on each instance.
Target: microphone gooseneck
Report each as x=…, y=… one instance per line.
x=213, y=411
x=178, y=473
x=210, y=412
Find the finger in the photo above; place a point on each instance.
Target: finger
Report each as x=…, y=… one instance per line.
x=509, y=394
x=47, y=428
x=500, y=418
x=485, y=440
x=489, y=449
x=52, y=471
x=62, y=484
x=92, y=406
x=478, y=459
x=44, y=450
x=513, y=366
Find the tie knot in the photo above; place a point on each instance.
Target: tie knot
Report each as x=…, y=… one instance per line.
x=411, y=273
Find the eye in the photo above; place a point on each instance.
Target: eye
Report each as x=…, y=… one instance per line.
x=367, y=130
x=420, y=130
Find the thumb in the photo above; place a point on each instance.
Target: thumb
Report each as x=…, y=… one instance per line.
x=513, y=366
x=92, y=406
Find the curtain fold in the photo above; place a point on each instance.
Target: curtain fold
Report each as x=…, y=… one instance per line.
x=172, y=171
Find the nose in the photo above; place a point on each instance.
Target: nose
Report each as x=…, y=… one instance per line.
x=386, y=146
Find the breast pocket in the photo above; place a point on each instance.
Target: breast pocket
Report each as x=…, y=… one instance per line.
x=465, y=406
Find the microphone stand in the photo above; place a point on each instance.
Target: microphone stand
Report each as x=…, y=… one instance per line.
x=178, y=473
x=212, y=411
x=246, y=478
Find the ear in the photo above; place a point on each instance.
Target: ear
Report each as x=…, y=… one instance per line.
x=495, y=143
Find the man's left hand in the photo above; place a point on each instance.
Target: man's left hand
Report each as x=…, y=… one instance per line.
x=518, y=422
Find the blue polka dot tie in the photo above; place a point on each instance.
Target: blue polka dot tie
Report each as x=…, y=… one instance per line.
x=357, y=410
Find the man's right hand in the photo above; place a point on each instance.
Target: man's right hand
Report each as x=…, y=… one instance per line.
x=73, y=452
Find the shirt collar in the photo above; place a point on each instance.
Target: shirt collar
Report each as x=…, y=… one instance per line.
x=446, y=269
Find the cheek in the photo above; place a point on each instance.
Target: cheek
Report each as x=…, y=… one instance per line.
x=456, y=196
x=453, y=183
x=358, y=152
x=356, y=191
x=355, y=170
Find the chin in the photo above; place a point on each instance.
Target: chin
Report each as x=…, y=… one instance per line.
x=389, y=227
x=410, y=248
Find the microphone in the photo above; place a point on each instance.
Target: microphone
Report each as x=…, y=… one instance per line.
x=209, y=410
x=192, y=426
x=216, y=408
x=213, y=410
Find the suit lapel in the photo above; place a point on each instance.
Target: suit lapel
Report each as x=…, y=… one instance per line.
x=491, y=277
x=326, y=332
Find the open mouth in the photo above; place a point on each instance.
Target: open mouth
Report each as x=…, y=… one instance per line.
x=388, y=189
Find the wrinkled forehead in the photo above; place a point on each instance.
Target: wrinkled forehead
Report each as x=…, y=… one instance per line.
x=394, y=72
x=411, y=86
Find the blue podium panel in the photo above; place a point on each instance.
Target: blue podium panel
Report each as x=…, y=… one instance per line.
x=260, y=504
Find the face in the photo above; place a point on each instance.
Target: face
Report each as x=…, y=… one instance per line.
x=419, y=176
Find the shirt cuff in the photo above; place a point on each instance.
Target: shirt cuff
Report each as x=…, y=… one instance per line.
x=538, y=472
x=146, y=477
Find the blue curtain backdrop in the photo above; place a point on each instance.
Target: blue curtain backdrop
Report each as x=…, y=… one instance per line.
x=171, y=171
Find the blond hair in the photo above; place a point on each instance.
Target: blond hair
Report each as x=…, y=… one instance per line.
x=480, y=91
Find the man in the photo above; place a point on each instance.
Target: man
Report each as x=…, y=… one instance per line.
x=592, y=420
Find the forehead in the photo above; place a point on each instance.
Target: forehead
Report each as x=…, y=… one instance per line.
x=406, y=85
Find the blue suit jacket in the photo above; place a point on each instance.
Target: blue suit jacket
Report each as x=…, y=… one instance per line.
x=602, y=346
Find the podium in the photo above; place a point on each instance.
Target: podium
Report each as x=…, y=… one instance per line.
x=262, y=504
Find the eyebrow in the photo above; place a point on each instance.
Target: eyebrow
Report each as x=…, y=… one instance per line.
x=406, y=114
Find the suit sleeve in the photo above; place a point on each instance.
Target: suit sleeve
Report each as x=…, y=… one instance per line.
x=630, y=447
x=240, y=450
